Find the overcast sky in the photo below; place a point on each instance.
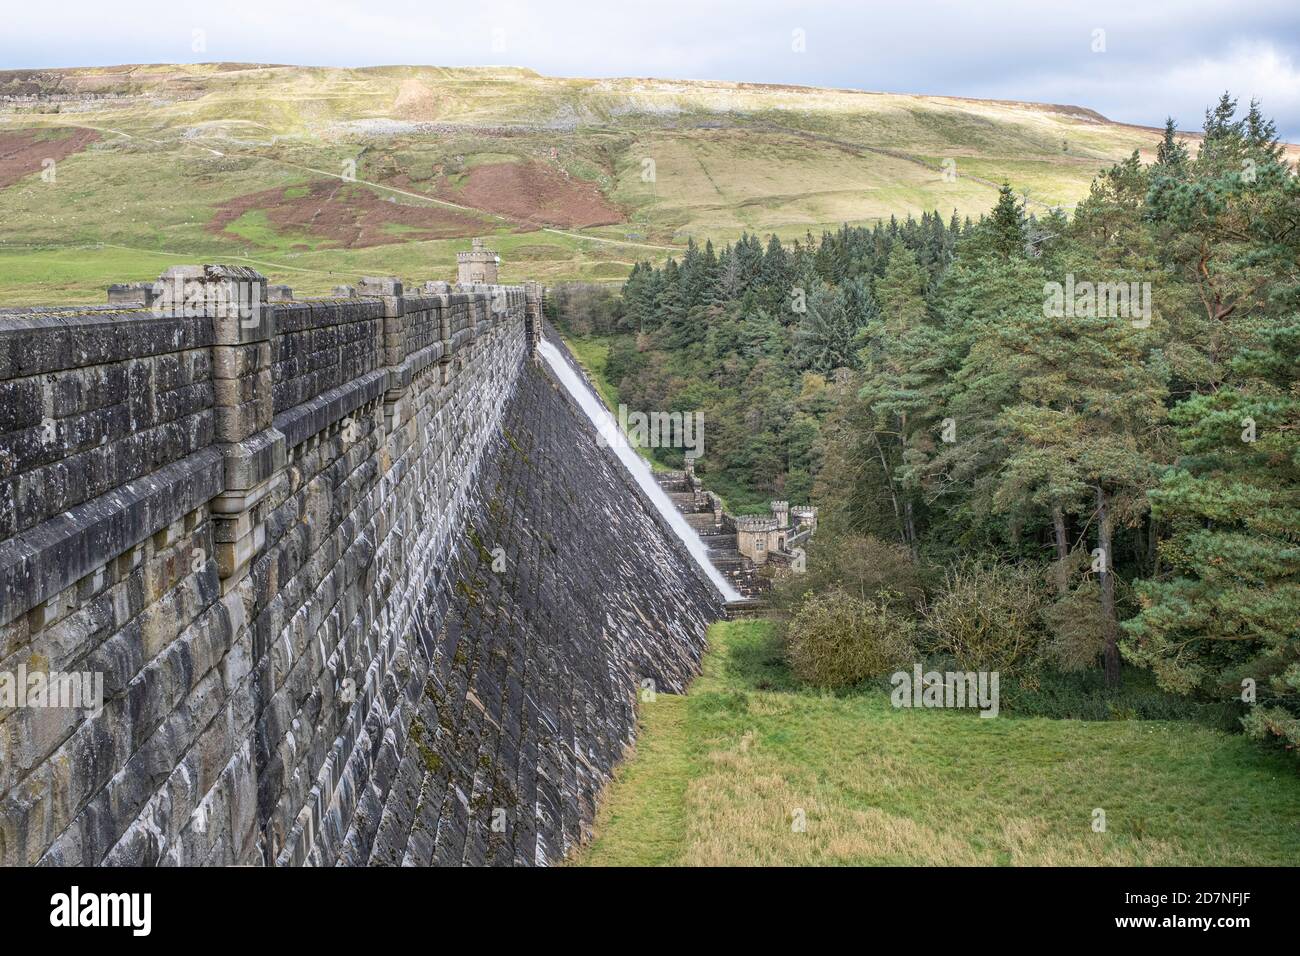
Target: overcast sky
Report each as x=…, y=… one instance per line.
x=1156, y=57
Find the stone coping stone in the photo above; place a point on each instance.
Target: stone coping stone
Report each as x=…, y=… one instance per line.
x=317, y=414
x=414, y=364
x=462, y=338
x=34, y=342
x=44, y=560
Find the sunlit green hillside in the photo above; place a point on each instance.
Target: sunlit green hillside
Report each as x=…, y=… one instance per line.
x=321, y=175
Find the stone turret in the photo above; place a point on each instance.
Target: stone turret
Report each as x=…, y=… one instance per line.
x=763, y=537
x=478, y=266
x=757, y=536
x=805, y=517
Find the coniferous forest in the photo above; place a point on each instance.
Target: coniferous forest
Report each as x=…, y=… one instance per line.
x=1066, y=447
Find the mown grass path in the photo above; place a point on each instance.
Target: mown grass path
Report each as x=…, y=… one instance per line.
x=720, y=777
x=643, y=820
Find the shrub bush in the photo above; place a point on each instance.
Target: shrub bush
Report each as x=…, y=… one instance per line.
x=857, y=564
x=836, y=639
x=1075, y=625
x=988, y=617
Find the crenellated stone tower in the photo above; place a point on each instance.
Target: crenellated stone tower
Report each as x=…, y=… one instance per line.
x=479, y=266
x=762, y=537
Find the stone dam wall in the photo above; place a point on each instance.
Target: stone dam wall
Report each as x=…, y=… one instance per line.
x=359, y=582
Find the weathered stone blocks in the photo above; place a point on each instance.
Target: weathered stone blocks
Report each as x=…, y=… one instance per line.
x=264, y=523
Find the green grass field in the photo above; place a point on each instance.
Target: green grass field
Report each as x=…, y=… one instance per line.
x=721, y=775
x=181, y=147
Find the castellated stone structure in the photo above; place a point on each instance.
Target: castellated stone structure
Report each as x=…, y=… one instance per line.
x=805, y=517
x=358, y=580
x=478, y=266
x=739, y=547
x=761, y=538
x=757, y=535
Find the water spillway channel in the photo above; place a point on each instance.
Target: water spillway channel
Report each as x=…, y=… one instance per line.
x=612, y=436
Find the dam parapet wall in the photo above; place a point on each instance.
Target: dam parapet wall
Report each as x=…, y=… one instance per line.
x=227, y=510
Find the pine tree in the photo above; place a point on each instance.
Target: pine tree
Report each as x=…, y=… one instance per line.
x=1261, y=135
x=981, y=293
x=1005, y=227
x=1222, y=139
x=1224, y=619
x=1080, y=436
x=826, y=334
x=902, y=364
x=1171, y=154
x=670, y=303
x=1224, y=230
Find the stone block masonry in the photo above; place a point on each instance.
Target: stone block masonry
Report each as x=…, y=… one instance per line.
x=267, y=525
x=563, y=595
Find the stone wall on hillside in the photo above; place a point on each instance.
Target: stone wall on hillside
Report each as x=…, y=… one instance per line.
x=262, y=527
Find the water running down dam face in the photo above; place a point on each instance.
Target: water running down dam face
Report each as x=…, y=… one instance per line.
x=609, y=431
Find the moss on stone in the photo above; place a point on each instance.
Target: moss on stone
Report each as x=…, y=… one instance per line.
x=484, y=554
x=432, y=762
x=515, y=445
x=470, y=593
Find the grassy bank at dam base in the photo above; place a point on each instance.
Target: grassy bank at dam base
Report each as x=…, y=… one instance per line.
x=750, y=769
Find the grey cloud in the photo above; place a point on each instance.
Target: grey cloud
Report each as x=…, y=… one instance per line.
x=1161, y=57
